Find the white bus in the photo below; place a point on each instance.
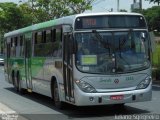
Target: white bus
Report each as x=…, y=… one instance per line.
x=85, y=59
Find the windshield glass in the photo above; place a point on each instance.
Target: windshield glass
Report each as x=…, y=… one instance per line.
x=110, y=52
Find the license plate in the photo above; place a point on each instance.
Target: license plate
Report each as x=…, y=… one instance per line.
x=117, y=97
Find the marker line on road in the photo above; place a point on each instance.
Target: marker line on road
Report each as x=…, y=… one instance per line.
x=7, y=113
x=156, y=86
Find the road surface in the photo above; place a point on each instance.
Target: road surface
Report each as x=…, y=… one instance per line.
x=33, y=106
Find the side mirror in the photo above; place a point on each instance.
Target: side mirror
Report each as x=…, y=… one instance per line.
x=67, y=28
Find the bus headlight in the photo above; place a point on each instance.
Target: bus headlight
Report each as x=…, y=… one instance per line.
x=144, y=84
x=85, y=87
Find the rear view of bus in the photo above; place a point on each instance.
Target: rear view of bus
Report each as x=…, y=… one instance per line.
x=111, y=64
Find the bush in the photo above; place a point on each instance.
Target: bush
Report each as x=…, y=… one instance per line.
x=156, y=33
x=156, y=73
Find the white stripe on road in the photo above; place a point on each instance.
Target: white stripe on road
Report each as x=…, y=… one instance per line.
x=5, y=109
x=6, y=113
x=156, y=86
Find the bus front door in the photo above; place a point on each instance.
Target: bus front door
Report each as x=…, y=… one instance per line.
x=27, y=61
x=68, y=69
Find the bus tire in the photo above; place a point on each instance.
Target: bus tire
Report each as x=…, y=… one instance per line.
x=12, y=77
x=14, y=81
x=20, y=90
x=55, y=94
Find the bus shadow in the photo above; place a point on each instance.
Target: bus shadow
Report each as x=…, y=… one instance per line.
x=154, y=88
x=103, y=111
x=82, y=112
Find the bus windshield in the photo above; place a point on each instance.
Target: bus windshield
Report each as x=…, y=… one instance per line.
x=111, y=52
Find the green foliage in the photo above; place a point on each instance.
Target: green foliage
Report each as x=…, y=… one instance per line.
x=153, y=17
x=11, y=17
x=156, y=33
x=79, y=6
x=156, y=56
x=44, y=10
x=155, y=1
x=156, y=62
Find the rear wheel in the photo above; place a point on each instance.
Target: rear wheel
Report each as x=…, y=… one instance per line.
x=56, y=98
x=14, y=81
x=21, y=90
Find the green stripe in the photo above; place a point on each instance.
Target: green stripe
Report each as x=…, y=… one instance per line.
x=31, y=28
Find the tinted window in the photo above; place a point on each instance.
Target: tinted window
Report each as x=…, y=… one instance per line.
x=51, y=45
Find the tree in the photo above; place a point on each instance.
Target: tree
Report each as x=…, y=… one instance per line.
x=152, y=16
x=79, y=6
x=11, y=18
x=155, y=1
x=44, y=10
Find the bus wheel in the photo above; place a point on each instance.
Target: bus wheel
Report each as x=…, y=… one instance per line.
x=56, y=99
x=14, y=80
x=21, y=90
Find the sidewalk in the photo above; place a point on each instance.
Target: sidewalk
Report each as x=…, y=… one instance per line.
x=7, y=113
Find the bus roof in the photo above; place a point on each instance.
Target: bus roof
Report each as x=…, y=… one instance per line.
x=63, y=20
x=107, y=13
x=47, y=24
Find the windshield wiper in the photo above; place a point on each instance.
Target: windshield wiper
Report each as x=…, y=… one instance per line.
x=101, y=40
x=120, y=56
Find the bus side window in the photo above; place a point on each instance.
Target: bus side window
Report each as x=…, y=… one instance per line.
x=48, y=36
x=8, y=48
x=59, y=34
x=53, y=35
x=17, y=46
x=12, y=47
x=57, y=49
x=21, y=40
x=39, y=38
x=16, y=41
x=11, y=42
x=39, y=44
x=35, y=38
x=44, y=37
x=21, y=46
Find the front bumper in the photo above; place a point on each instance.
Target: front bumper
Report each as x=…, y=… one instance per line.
x=90, y=99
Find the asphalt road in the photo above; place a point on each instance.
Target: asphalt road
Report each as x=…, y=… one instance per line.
x=33, y=106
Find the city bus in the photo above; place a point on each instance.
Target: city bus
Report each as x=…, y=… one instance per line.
x=85, y=59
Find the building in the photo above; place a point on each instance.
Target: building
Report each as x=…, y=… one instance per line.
x=136, y=5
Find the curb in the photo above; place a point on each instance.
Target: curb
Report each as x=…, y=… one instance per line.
x=7, y=113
